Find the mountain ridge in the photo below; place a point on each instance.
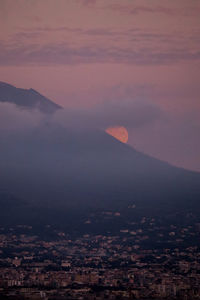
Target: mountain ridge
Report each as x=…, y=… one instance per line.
x=26, y=98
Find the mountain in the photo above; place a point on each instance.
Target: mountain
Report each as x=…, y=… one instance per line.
x=61, y=176
x=57, y=166
x=26, y=98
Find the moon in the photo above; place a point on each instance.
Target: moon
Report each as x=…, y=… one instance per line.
x=118, y=132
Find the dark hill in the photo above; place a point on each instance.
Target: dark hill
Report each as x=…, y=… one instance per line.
x=26, y=98
x=61, y=174
x=59, y=167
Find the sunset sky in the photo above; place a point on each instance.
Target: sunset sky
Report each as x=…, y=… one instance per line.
x=134, y=62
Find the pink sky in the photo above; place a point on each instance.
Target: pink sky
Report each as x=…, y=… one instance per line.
x=83, y=53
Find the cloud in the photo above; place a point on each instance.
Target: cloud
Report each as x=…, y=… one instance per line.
x=129, y=113
x=66, y=54
x=14, y=119
x=133, y=9
x=63, y=45
x=88, y=2
x=173, y=139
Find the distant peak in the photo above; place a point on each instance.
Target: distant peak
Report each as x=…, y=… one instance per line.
x=29, y=98
x=33, y=91
x=5, y=84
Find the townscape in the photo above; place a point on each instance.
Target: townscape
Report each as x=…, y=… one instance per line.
x=104, y=266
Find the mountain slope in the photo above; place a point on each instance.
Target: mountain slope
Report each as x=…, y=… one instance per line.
x=55, y=171
x=59, y=167
x=26, y=98
x=65, y=178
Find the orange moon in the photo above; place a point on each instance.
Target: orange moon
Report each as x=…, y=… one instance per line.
x=118, y=132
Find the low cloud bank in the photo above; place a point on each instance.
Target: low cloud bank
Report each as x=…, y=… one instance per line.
x=130, y=114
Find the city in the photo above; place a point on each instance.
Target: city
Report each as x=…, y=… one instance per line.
x=127, y=265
